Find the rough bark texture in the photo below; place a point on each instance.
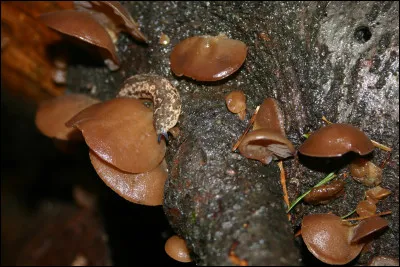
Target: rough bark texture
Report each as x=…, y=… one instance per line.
x=338, y=59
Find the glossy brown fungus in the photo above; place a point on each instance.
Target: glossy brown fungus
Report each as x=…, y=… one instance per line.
x=176, y=248
x=236, y=103
x=334, y=140
x=366, y=172
x=143, y=188
x=52, y=115
x=270, y=116
x=367, y=227
x=265, y=145
x=113, y=16
x=377, y=193
x=327, y=237
x=366, y=208
x=325, y=193
x=207, y=58
x=121, y=132
x=83, y=27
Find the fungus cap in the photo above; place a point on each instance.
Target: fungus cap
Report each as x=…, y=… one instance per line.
x=367, y=227
x=366, y=208
x=116, y=13
x=366, y=172
x=142, y=188
x=236, y=103
x=207, y=58
x=121, y=132
x=53, y=113
x=337, y=139
x=327, y=238
x=270, y=116
x=324, y=193
x=176, y=248
x=265, y=145
x=83, y=27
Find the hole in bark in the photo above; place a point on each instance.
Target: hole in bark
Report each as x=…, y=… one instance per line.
x=362, y=34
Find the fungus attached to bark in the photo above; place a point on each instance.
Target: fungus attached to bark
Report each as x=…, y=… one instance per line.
x=265, y=145
x=176, y=248
x=143, y=188
x=327, y=237
x=366, y=172
x=52, y=115
x=207, y=58
x=121, y=132
x=325, y=193
x=367, y=227
x=84, y=27
x=366, y=208
x=236, y=103
x=335, y=140
x=377, y=193
x=270, y=116
x=113, y=16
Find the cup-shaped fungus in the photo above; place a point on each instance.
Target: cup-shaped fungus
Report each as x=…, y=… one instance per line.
x=377, y=193
x=367, y=227
x=142, y=188
x=270, y=116
x=265, y=145
x=176, y=248
x=366, y=208
x=327, y=237
x=325, y=193
x=113, y=16
x=83, y=27
x=366, y=172
x=335, y=140
x=121, y=132
x=236, y=103
x=207, y=58
x=53, y=113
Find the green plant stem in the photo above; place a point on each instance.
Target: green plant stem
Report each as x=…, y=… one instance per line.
x=324, y=181
x=348, y=214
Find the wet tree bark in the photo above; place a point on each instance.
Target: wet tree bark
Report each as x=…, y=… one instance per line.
x=337, y=59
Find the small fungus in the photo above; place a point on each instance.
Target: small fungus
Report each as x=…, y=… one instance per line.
x=328, y=238
x=83, y=27
x=367, y=227
x=121, y=132
x=325, y=193
x=207, y=58
x=113, y=16
x=270, y=116
x=176, y=248
x=265, y=145
x=366, y=172
x=335, y=140
x=143, y=188
x=236, y=103
x=377, y=193
x=366, y=208
x=53, y=113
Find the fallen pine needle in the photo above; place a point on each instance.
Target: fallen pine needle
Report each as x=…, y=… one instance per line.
x=368, y=216
x=298, y=233
x=253, y=118
x=376, y=144
x=284, y=188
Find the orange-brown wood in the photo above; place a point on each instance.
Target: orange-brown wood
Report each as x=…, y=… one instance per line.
x=26, y=66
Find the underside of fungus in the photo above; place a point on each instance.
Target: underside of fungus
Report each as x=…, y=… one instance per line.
x=121, y=132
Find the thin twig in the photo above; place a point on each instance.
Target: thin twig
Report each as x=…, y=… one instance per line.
x=368, y=216
x=253, y=118
x=284, y=188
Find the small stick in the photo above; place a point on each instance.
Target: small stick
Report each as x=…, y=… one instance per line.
x=368, y=216
x=376, y=144
x=298, y=233
x=253, y=118
x=284, y=188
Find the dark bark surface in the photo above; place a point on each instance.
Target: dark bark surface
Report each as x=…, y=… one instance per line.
x=338, y=59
